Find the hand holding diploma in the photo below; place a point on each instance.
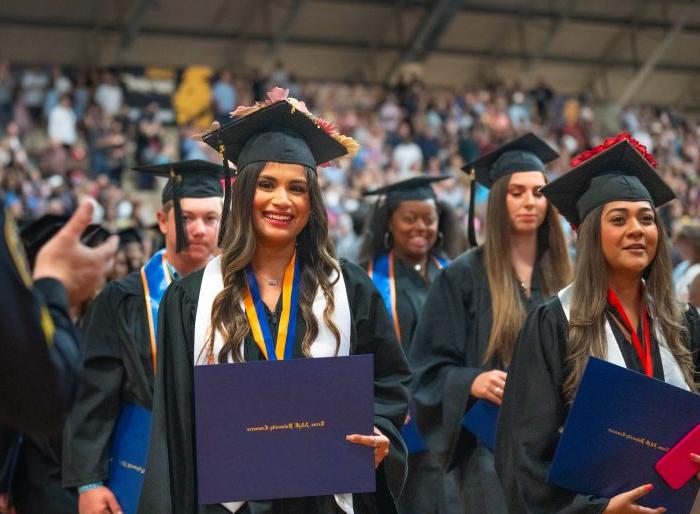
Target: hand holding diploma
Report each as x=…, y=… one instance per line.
x=378, y=441
x=625, y=503
x=98, y=500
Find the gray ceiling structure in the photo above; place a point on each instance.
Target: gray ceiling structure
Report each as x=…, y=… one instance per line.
x=631, y=51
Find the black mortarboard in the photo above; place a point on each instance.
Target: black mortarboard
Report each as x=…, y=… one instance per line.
x=129, y=235
x=36, y=233
x=620, y=169
x=186, y=179
x=526, y=153
x=281, y=131
x=415, y=188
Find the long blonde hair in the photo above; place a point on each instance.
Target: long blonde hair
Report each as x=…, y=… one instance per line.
x=315, y=255
x=552, y=262
x=589, y=300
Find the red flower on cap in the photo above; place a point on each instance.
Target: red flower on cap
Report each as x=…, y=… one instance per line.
x=612, y=141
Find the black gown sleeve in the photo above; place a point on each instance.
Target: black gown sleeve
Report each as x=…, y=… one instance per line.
x=39, y=346
x=443, y=372
x=170, y=482
x=530, y=418
x=375, y=334
x=88, y=430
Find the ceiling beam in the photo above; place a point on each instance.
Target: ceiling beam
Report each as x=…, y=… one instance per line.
x=282, y=32
x=134, y=21
x=351, y=44
x=433, y=25
x=551, y=14
x=566, y=12
x=652, y=61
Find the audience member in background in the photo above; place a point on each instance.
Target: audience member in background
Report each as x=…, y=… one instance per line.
x=688, y=244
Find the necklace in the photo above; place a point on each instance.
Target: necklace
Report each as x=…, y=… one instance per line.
x=270, y=281
x=418, y=267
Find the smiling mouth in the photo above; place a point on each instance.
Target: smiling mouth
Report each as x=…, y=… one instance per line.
x=634, y=247
x=278, y=217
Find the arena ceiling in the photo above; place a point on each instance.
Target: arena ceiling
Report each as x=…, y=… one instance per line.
x=629, y=51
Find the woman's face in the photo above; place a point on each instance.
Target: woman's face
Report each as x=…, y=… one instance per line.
x=414, y=227
x=629, y=236
x=281, y=204
x=527, y=207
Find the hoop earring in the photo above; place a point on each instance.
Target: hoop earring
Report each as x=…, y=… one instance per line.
x=387, y=240
x=440, y=240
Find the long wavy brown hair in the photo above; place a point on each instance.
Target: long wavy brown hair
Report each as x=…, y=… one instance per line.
x=552, y=261
x=589, y=301
x=315, y=255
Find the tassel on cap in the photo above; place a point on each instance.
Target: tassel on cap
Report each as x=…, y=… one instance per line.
x=471, y=233
x=225, y=212
x=180, y=232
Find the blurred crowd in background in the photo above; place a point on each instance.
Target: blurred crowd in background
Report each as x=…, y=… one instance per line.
x=66, y=134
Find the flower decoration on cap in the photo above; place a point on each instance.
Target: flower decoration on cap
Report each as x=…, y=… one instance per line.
x=277, y=94
x=612, y=141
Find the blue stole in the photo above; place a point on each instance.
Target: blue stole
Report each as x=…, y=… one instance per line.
x=381, y=271
x=133, y=428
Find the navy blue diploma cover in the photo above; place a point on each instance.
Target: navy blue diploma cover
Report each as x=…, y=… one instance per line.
x=276, y=429
x=128, y=456
x=621, y=423
x=481, y=421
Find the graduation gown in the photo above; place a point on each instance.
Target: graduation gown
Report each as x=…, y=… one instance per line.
x=118, y=369
x=424, y=480
x=447, y=354
x=534, y=409
x=170, y=484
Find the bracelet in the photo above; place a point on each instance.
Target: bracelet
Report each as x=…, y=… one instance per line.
x=87, y=487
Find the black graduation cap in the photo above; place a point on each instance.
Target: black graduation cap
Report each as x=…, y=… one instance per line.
x=278, y=132
x=414, y=188
x=36, y=233
x=526, y=153
x=620, y=169
x=187, y=179
x=129, y=235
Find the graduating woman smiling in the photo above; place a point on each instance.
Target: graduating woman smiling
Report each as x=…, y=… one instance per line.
x=277, y=226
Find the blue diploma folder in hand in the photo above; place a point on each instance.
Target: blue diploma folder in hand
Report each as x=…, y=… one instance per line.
x=621, y=423
x=481, y=421
x=277, y=429
x=128, y=456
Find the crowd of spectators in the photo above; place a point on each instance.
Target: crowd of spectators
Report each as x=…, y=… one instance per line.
x=66, y=134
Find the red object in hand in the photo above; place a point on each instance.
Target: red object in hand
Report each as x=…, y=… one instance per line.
x=675, y=467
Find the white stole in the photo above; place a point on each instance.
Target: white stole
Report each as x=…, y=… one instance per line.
x=672, y=371
x=323, y=346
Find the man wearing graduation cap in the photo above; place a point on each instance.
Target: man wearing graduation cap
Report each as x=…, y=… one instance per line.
x=120, y=331
x=474, y=310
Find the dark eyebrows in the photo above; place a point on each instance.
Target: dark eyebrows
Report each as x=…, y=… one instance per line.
x=625, y=210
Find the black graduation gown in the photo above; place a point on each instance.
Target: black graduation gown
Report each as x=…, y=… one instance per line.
x=118, y=369
x=424, y=480
x=39, y=349
x=534, y=409
x=446, y=356
x=170, y=485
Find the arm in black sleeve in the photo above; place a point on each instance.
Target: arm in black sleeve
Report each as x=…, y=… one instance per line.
x=39, y=346
x=375, y=335
x=443, y=373
x=88, y=430
x=532, y=412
